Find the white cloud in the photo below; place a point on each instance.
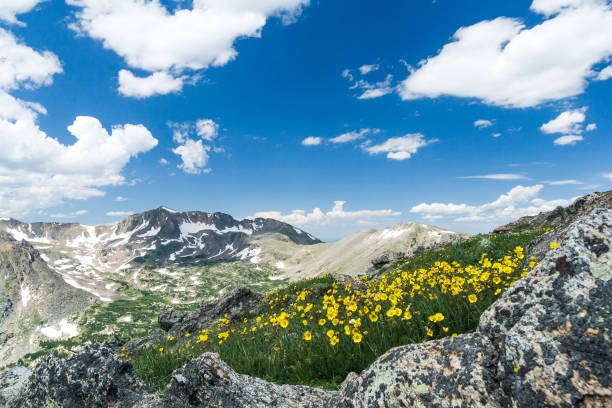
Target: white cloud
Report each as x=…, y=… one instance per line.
x=400, y=148
x=21, y=66
x=69, y=215
x=568, y=140
x=483, y=123
x=502, y=62
x=194, y=155
x=163, y=162
x=158, y=83
x=119, y=213
x=353, y=135
x=36, y=170
x=377, y=89
x=207, y=129
x=318, y=217
x=605, y=73
x=608, y=176
x=152, y=38
x=517, y=202
x=496, y=134
x=120, y=198
x=312, y=141
x=591, y=126
x=367, y=68
x=563, y=182
x=507, y=176
x=567, y=122
x=9, y=9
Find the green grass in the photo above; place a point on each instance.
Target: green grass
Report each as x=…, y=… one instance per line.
x=281, y=355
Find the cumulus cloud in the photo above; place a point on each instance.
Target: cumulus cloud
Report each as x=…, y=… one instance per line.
x=21, y=66
x=194, y=153
x=9, y=9
x=158, y=83
x=367, y=68
x=608, y=176
x=483, y=123
x=568, y=140
x=152, y=38
x=400, y=148
x=312, y=141
x=319, y=217
x=591, y=126
x=207, y=129
x=36, y=170
x=567, y=122
x=505, y=176
x=503, y=62
x=518, y=202
x=353, y=135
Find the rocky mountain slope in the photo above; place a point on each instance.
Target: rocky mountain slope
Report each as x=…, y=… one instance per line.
x=35, y=302
x=351, y=255
x=90, y=257
x=545, y=342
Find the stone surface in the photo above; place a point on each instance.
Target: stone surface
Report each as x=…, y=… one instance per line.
x=208, y=382
x=12, y=382
x=96, y=377
x=387, y=258
x=236, y=304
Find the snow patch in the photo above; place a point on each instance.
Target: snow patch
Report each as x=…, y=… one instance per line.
x=275, y=278
x=45, y=258
x=18, y=235
x=25, y=295
x=65, y=329
x=170, y=210
x=280, y=265
x=125, y=319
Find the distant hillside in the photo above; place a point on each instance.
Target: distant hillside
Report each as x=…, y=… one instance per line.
x=350, y=255
x=85, y=255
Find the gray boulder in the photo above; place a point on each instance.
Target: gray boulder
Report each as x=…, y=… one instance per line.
x=386, y=258
x=12, y=382
x=207, y=381
x=96, y=377
x=235, y=305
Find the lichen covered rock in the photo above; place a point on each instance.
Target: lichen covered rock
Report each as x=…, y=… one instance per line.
x=96, y=377
x=209, y=382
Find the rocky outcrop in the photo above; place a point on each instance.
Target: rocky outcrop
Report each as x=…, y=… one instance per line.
x=236, y=304
x=544, y=343
x=560, y=216
x=387, y=258
x=96, y=377
x=12, y=383
x=208, y=382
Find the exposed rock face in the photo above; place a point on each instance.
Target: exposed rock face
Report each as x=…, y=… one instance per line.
x=236, y=304
x=32, y=297
x=12, y=382
x=387, y=258
x=208, y=382
x=560, y=216
x=95, y=378
x=544, y=343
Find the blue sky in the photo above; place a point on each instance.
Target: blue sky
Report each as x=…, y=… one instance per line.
x=331, y=115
